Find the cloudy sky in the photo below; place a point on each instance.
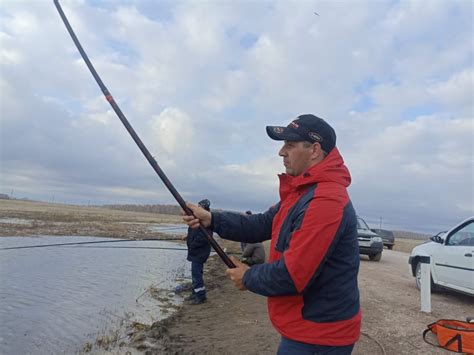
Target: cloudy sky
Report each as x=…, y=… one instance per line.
x=200, y=80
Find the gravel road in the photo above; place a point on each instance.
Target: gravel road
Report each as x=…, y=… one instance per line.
x=391, y=307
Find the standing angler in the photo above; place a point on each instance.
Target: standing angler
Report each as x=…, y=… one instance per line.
x=199, y=250
x=311, y=276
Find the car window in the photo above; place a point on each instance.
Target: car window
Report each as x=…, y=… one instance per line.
x=463, y=236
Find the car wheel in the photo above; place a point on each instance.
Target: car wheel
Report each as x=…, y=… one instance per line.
x=390, y=247
x=418, y=279
x=375, y=257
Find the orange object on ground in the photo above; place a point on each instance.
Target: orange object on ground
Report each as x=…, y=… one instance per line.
x=453, y=335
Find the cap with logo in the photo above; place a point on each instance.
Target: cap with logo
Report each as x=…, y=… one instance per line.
x=309, y=128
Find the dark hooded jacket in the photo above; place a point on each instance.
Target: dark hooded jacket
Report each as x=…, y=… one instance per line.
x=198, y=246
x=311, y=276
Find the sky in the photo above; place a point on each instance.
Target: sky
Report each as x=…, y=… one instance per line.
x=200, y=80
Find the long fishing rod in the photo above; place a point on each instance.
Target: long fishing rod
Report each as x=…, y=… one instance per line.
x=225, y=258
x=80, y=243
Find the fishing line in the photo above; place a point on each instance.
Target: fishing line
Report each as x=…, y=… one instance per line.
x=80, y=243
x=156, y=248
x=161, y=228
x=160, y=248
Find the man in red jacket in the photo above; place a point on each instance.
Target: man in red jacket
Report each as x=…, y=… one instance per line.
x=311, y=276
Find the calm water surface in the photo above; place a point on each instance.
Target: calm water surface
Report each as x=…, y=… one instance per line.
x=178, y=229
x=56, y=299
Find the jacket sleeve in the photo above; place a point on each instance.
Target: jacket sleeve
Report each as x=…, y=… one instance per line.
x=309, y=247
x=270, y=279
x=244, y=228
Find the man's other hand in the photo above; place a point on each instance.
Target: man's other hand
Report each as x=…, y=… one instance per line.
x=236, y=274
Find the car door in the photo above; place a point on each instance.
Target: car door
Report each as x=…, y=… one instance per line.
x=454, y=261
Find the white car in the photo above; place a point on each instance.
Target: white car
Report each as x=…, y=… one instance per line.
x=452, y=258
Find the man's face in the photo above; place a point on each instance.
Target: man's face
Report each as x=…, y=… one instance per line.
x=297, y=157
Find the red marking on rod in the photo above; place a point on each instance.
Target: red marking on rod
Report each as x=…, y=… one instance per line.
x=109, y=98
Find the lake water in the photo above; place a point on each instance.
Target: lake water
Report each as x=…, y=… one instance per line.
x=57, y=299
x=170, y=229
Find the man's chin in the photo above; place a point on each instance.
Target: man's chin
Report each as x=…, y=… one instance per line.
x=289, y=171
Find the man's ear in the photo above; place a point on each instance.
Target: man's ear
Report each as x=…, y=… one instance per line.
x=317, y=152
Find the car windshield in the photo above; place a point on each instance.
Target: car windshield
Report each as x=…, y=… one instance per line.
x=361, y=224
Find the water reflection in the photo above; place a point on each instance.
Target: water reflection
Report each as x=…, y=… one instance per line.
x=54, y=300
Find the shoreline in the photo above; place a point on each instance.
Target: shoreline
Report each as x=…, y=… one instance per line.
x=229, y=322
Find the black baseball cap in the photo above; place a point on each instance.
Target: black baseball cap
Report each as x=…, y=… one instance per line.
x=309, y=128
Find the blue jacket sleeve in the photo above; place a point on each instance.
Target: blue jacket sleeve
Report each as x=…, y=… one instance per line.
x=244, y=228
x=270, y=279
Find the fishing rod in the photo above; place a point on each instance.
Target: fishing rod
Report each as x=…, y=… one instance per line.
x=80, y=243
x=225, y=258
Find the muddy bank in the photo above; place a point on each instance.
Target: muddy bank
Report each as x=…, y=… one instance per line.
x=236, y=322
x=230, y=322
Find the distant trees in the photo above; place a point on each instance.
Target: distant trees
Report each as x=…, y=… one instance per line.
x=4, y=197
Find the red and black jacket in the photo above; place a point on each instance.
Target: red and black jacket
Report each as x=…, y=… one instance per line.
x=311, y=277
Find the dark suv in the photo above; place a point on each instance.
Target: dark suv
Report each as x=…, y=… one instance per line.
x=369, y=242
x=387, y=236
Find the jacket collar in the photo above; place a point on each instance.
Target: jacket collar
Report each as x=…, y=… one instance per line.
x=332, y=168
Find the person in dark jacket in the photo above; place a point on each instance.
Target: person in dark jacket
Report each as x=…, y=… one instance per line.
x=252, y=253
x=198, y=252
x=311, y=276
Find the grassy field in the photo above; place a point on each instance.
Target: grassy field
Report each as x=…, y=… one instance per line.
x=25, y=218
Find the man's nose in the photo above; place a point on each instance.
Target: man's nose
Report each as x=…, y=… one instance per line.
x=282, y=152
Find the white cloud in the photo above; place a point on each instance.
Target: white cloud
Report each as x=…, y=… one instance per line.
x=173, y=129
x=457, y=92
x=226, y=91
x=426, y=163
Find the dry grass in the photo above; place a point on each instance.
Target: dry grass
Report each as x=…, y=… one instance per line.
x=406, y=245
x=39, y=218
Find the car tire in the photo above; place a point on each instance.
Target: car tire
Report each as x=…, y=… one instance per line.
x=390, y=247
x=418, y=279
x=375, y=257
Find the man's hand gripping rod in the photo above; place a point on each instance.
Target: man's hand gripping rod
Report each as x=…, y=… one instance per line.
x=225, y=258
